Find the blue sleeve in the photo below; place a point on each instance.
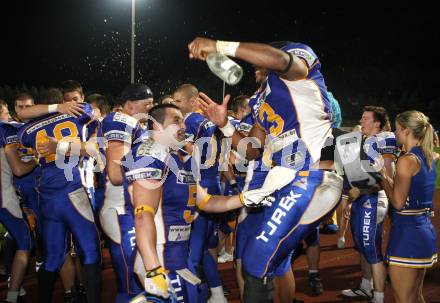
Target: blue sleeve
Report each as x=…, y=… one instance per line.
x=2, y=137
x=119, y=127
x=193, y=127
x=87, y=115
x=9, y=134
x=303, y=52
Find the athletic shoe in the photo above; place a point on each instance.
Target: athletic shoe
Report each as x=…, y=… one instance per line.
x=22, y=291
x=316, y=284
x=38, y=265
x=81, y=293
x=357, y=292
x=225, y=257
x=341, y=243
x=226, y=291
x=70, y=297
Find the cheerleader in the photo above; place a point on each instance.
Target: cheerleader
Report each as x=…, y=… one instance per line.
x=412, y=243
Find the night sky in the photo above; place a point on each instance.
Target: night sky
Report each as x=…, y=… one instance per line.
x=365, y=51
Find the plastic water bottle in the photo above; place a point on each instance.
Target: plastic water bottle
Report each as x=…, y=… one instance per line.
x=226, y=69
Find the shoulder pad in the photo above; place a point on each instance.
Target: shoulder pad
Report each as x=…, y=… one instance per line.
x=151, y=149
x=126, y=119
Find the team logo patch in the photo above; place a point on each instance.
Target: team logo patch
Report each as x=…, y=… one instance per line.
x=11, y=140
x=303, y=54
x=178, y=233
x=117, y=135
x=185, y=177
x=244, y=127
x=147, y=173
x=208, y=124
x=294, y=160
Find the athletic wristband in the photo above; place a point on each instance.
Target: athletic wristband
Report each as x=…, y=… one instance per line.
x=144, y=208
x=63, y=148
x=155, y=272
x=205, y=200
x=228, y=130
x=227, y=48
x=289, y=65
x=52, y=108
x=241, y=197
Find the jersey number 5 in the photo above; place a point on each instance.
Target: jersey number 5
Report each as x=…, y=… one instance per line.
x=188, y=214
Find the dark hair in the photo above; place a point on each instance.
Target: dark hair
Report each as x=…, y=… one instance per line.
x=99, y=100
x=23, y=96
x=51, y=96
x=136, y=91
x=71, y=86
x=238, y=102
x=157, y=113
x=379, y=114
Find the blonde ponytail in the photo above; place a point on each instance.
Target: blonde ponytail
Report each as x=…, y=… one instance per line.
x=427, y=144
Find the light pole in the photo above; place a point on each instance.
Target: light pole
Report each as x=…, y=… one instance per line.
x=133, y=36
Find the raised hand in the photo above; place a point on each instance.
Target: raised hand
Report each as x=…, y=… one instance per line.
x=72, y=108
x=216, y=113
x=200, y=48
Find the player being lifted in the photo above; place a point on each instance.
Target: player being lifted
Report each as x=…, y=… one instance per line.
x=293, y=113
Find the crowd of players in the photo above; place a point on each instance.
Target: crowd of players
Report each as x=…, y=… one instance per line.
x=160, y=181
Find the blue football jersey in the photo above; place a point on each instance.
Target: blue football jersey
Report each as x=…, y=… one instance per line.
x=151, y=161
x=199, y=129
x=257, y=169
x=118, y=126
x=8, y=133
x=295, y=114
x=121, y=127
x=27, y=182
x=246, y=124
x=56, y=176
